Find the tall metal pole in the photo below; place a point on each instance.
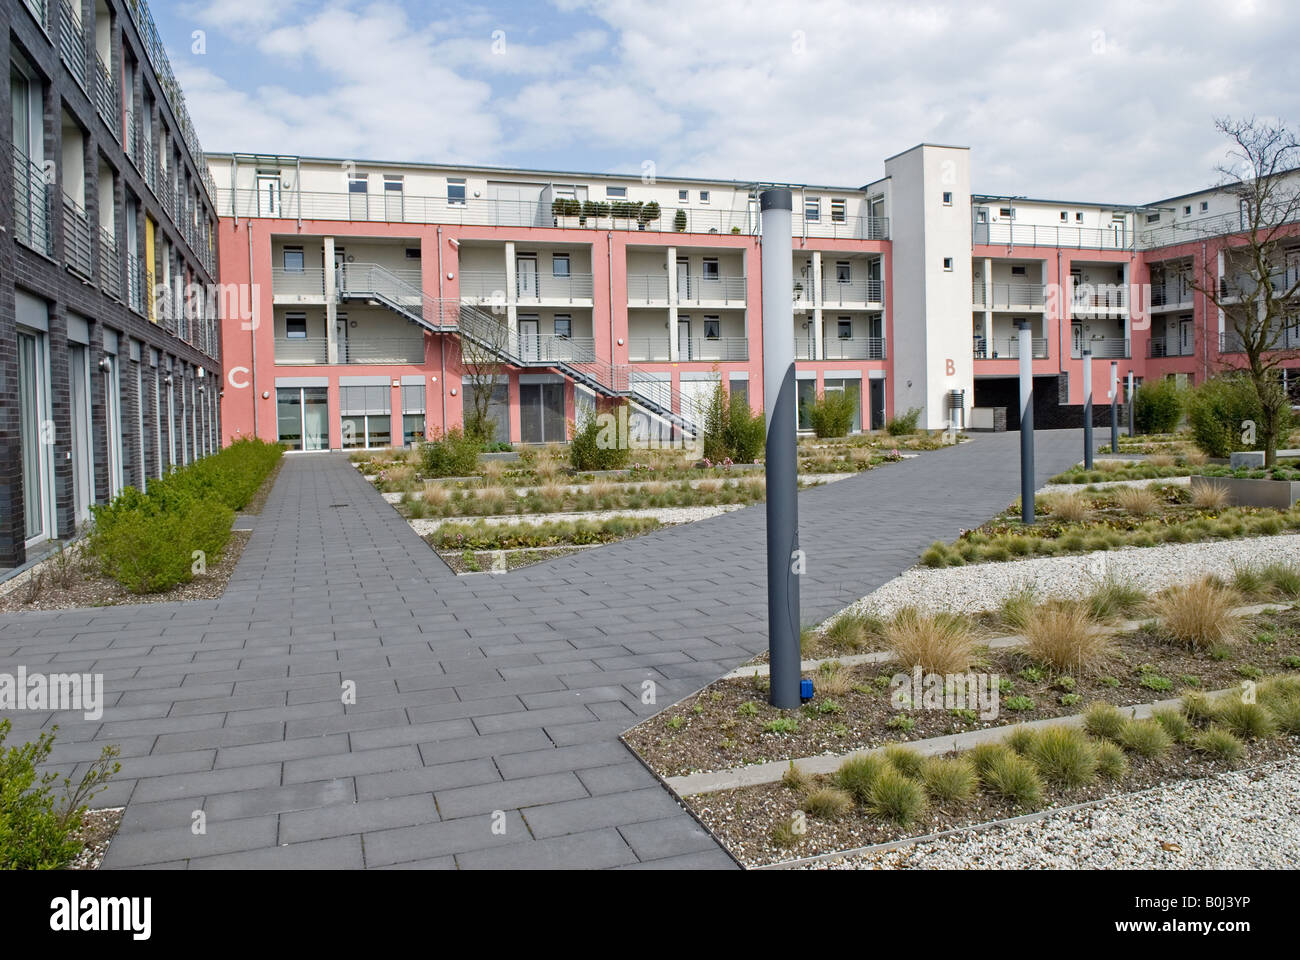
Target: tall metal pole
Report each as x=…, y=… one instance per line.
x=1087, y=408
x=784, y=563
x=1114, y=407
x=1130, y=403
x=1026, y=422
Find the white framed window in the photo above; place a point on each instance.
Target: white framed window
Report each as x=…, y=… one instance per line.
x=844, y=328
x=1187, y=210
x=947, y=198
x=1018, y=271
x=712, y=328
x=1153, y=218
x=1007, y=213
x=1064, y=216
x=456, y=190
x=559, y=265
x=563, y=326
x=704, y=196
x=839, y=211
x=683, y=196
x=1078, y=218
x=295, y=326
x=292, y=259
x=947, y=264
x=1205, y=205
x=981, y=215
x=709, y=269
x=812, y=208
x=843, y=271
x=616, y=193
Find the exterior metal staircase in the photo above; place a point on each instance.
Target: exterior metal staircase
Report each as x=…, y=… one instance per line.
x=375, y=284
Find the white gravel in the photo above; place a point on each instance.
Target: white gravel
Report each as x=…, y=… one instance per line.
x=1104, y=484
x=809, y=479
x=1249, y=819
x=983, y=586
x=662, y=514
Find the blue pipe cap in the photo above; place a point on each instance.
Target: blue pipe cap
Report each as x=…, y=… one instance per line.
x=805, y=689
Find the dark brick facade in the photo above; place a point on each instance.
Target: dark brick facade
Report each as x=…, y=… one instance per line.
x=151, y=343
x=1049, y=412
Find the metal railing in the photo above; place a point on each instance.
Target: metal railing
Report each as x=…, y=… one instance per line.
x=713, y=348
x=1109, y=348
x=308, y=282
x=977, y=292
x=106, y=98
x=853, y=348
x=804, y=292
x=364, y=349
x=73, y=41
x=1085, y=297
x=648, y=349
x=1169, y=294
x=545, y=347
x=532, y=288
x=342, y=205
x=1032, y=235
x=40, y=10
x=32, y=207
x=483, y=284
x=110, y=267
x=1287, y=338
x=1170, y=347
x=78, y=239
x=310, y=350
x=1016, y=295
x=697, y=290
x=646, y=288
x=1007, y=348
x=838, y=293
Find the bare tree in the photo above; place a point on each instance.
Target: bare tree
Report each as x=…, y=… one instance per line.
x=485, y=343
x=1261, y=280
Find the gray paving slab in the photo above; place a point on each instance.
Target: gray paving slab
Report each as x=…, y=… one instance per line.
x=482, y=693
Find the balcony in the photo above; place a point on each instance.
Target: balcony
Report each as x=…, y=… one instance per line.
x=977, y=293
x=854, y=348
x=32, y=211
x=73, y=45
x=40, y=10
x=305, y=285
x=1106, y=348
x=547, y=348
x=647, y=289
x=1288, y=338
x=351, y=350
x=711, y=290
x=78, y=239
x=1098, y=298
x=840, y=227
x=1007, y=348
x=1170, y=294
x=713, y=348
x=540, y=288
x=483, y=284
x=110, y=268
x=844, y=293
x=803, y=293
x=138, y=283
x=648, y=349
x=1170, y=347
x=1007, y=233
x=1010, y=296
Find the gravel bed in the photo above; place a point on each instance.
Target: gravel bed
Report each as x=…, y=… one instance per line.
x=1075, y=487
x=983, y=586
x=811, y=479
x=1247, y=819
x=662, y=514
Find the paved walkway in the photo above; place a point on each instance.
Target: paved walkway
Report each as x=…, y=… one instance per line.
x=487, y=709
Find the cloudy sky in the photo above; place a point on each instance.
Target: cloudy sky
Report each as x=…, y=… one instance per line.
x=1106, y=101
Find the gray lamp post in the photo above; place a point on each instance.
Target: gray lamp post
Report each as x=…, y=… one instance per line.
x=1087, y=408
x=1026, y=422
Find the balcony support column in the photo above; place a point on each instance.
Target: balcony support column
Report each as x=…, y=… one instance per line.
x=512, y=289
x=670, y=261
x=331, y=303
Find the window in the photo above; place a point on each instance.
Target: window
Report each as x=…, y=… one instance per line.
x=1064, y=216
x=301, y=415
x=1078, y=218
x=704, y=196
x=456, y=190
x=1153, y=218
x=392, y=196
x=1205, y=205
x=1007, y=213
x=839, y=211
x=843, y=272
x=412, y=253
x=982, y=215
x=358, y=206
x=616, y=193
x=947, y=264
x=683, y=196
x=712, y=328
x=1017, y=271
x=844, y=328
x=412, y=413
x=812, y=209
x=1187, y=210
x=709, y=269
x=366, y=417
x=947, y=198
x=293, y=260
x=295, y=326
x=563, y=326
x=853, y=389
x=739, y=391
x=559, y=265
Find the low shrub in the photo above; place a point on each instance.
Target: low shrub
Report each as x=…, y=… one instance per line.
x=483, y=536
x=1063, y=756
x=1250, y=721
x=450, y=454
x=904, y=423
x=1015, y=778
x=831, y=412
x=1219, y=743
x=828, y=803
x=596, y=444
x=1111, y=762
x=1158, y=406
x=949, y=779
x=1147, y=738
x=1217, y=408
x=897, y=797
x=858, y=775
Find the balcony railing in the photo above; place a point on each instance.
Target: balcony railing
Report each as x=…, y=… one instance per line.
x=40, y=10
x=78, y=239
x=351, y=350
x=110, y=267
x=486, y=284
x=853, y=348
x=1009, y=295
x=836, y=293
x=1031, y=235
x=547, y=347
x=697, y=290
x=312, y=350
x=32, y=211
x=1230, y=341
x=648, y=349
x=341, y=205
x=1170, y=347
x=713, y=348
x=1090, y=297
x=73, y=44
x=309, y=282
x=647, y=288
x=106, y=99
x=803, y=293
x=977, y=292
x=1170, y=294
x=1110, y=348
x=136, y=282
x=537, y=287
x=1007, y=348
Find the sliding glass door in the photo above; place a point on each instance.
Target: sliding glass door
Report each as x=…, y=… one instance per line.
x=34, y=425
x=302, y=417
x=83, y=463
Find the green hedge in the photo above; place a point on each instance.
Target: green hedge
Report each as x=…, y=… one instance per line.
x=146, y=541
x=1157, y=407
x=453, y=454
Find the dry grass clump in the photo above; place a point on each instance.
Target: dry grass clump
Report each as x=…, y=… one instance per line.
x=1064, y=636
x=1208, y=496
x=436, y=495
x=709, y=486
x=1069, y=507
x=401, y=477
x=492, y=471
x=937, y=642
x=552, y=494
x=1199, y=615
x=545, y=467
x=832, y=679
x=600, y=489
x=1139, y=501
x=851, y=632
x=1162, y=460
x=1195, y=456
x=828, y=803
x=654, y=487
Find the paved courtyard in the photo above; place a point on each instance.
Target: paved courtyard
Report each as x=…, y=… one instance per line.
x=487, y=709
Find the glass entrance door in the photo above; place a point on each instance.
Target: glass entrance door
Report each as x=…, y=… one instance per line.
x=83, y=467
x=33, y=424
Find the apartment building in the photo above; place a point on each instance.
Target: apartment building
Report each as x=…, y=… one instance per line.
x=369, y=277
x=109, y=348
